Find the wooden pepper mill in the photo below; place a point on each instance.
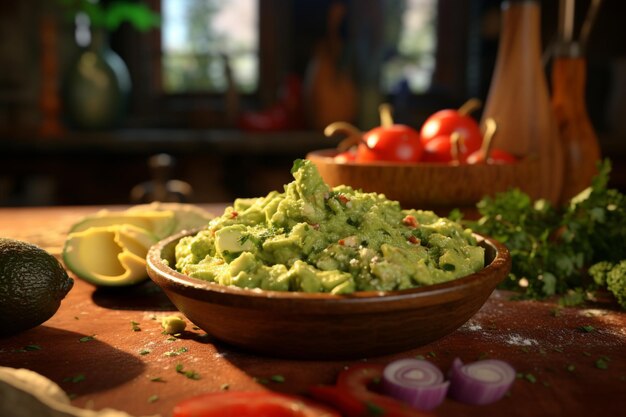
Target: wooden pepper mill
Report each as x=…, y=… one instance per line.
x=569, y=70
x=519, y=100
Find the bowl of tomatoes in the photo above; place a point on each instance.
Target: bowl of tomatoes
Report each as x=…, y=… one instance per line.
x=450, y=162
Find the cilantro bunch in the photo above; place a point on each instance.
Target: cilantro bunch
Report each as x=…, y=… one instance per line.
x=552, y=247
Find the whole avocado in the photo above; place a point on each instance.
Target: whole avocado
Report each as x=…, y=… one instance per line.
x=32, y=285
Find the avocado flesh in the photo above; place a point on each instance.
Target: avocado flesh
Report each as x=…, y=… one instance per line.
x=111, y=256
x=158, y=223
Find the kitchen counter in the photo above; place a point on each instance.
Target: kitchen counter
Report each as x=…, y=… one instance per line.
x=114, y=365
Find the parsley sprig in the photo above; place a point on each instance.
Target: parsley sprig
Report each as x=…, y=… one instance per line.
x=551, y=247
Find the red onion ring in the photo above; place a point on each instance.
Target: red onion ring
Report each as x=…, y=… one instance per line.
x=481, y=382
x=416, y=382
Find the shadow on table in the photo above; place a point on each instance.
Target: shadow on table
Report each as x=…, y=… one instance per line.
x=144, y=296
x=78, y=363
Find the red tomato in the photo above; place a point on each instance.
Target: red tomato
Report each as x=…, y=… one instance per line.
x=496, y=156
x=346, y=156
x=354, y=394
x=250, y=404
x=438, y=149
x=396, y=143
x=445, y=122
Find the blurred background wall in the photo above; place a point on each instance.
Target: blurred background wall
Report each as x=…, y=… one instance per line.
x=234, y=91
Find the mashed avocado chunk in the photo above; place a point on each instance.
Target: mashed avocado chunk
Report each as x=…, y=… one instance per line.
x=314, y=238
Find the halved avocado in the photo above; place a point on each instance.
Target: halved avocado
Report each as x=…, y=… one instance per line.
x=160, y=223
x=187, y=216
x=109, y=255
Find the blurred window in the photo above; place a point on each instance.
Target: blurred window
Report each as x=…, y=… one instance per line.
x=206, y=42
x=415, y=40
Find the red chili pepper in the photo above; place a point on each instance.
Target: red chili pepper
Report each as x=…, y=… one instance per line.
x=343, y=198
x=414, y=240
x=353, y=397
x=410, y=221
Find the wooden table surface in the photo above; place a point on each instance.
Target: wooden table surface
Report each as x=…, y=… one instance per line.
x=555, y=358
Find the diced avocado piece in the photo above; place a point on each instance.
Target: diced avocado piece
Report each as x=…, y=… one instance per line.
x=232, y=239
x=109, y=256
x=158, y=223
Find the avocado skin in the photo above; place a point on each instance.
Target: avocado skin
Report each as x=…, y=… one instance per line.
x=32, y=285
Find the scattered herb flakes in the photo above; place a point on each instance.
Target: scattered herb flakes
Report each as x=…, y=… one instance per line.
x=172, y=339
x=421, y=357
x=176, y=352
x=157, y=379
x=374, y=409
x=557, y=349
x=556, y=312
x=153, y=398
x=586, y=329
x=187, y=373
x=277, y=378
x=431, y=354
x=31, y=348
x=527, y=376
x=87, y=338
x=570, y=368
x=75, y=379
x=135, y=326
x=602, y=363
x=586, y=353
x=263, y=381
x=144, y=352
x=542, y=352
x=524, y=349
x=224, y=387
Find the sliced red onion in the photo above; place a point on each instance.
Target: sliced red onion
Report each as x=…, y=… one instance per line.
x=416, y=382
x=481, y=382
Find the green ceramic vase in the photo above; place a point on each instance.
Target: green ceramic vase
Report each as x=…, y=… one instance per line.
x=97, y=87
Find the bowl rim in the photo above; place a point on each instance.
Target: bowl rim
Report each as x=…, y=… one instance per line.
x=326, y=155
x=164, y=275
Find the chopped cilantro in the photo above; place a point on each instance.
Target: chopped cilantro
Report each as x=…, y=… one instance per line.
x=189, y=374
x=277, y=378
x=176, y=352
x=32, y=347
x=135, y=326
x=528, y=377
x=602, y=363
x=374, y=409
x=448, y=267
x=157, y=379
x=144, y=352
x=153, y=398
x=87, y=338
x=75, y=379
x=570, y=368
x=586, y=329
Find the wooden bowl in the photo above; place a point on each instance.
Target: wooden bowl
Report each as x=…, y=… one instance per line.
x=326, y=326
x=431, y=186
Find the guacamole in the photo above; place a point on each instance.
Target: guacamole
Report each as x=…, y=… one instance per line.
x=314, y=238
